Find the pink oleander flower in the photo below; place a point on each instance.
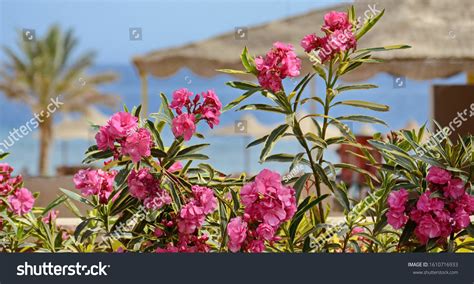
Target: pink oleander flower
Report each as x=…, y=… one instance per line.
x=426, y=203
x=267, y=200
x=342, y=40
x=397, y=200
x=466, y=202
x=50, y=217
x=184, y=125
x=21, y=202
x=280, y=62
x=158, y=232
x=438, y=176
x=211, y=100
x=461, y=219
x=265, y=232
x=310, y=42
x=454, y=189
x=95, y=182
x=141, y=183
x=176, y=167
x=181, y=98
x=205, y=198
x=191, y=217
x=427, y=228
x=122, y=124
x=211, y=109
x=5, y=171
x=157, y=199
x=335, y=20
x=358, y=230
x=256, y=246
x=104, y=139
x=5, y=189
x=396, y=219
x=138, y=145
x=237, y=232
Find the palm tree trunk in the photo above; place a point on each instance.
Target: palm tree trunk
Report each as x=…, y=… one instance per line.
x=46, y=137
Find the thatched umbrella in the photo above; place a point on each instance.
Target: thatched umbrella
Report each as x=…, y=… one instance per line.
x=77, y=129
x=439, y=32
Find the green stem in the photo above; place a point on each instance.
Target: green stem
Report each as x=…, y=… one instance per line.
x=303, y=143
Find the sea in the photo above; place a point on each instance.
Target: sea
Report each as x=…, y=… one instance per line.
x=409, y=101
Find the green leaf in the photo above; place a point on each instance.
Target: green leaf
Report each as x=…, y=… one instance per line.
x=81, y=227
x=368, y=25
x=97, y=155
x=194, y=156
x=282, y=157
x=296, y=220
x=470, y=230
x=192, y=149
x=276, y=134
x=407, y=232
x=352, y=14
x=156, y=134
x=136, y=111
x=76, y=197
x=316, y=140
x=362, y=118
x=237, y=101
x=158, y=153
x=247, y=62
x=301, y=86
x=243, y=85
x=263, y=107
x=364, y=104
x=385, y=48
x=317, y=99
x=299, y=185
x=257, y=141
x=165, y=106
x=53, y=204
x=232, y=71
x=356, y=169
x=341, y=196
x=3, y=155
x=356, y=87
x=319, y=68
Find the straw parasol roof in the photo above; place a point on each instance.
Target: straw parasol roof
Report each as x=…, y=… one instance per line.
x=439, y=32
x=71, y=129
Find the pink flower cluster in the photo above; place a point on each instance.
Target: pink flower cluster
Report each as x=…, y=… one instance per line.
x=95, y=182
x=268, y=204
x=443, y=209
x=280, y=62
x=20, y=200
x=194, y=213
x=145, y=187
x=209, y=109
x=338, y=37
x=123, y=128
x=190, y=219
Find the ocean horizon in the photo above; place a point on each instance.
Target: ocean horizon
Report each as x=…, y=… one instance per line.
x=410, y=103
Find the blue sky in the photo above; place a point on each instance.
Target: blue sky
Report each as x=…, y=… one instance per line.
x=104, y=25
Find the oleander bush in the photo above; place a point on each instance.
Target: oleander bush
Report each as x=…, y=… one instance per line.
x=152, y=195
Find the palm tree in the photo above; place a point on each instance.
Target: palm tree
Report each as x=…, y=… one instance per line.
x=44, y=71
